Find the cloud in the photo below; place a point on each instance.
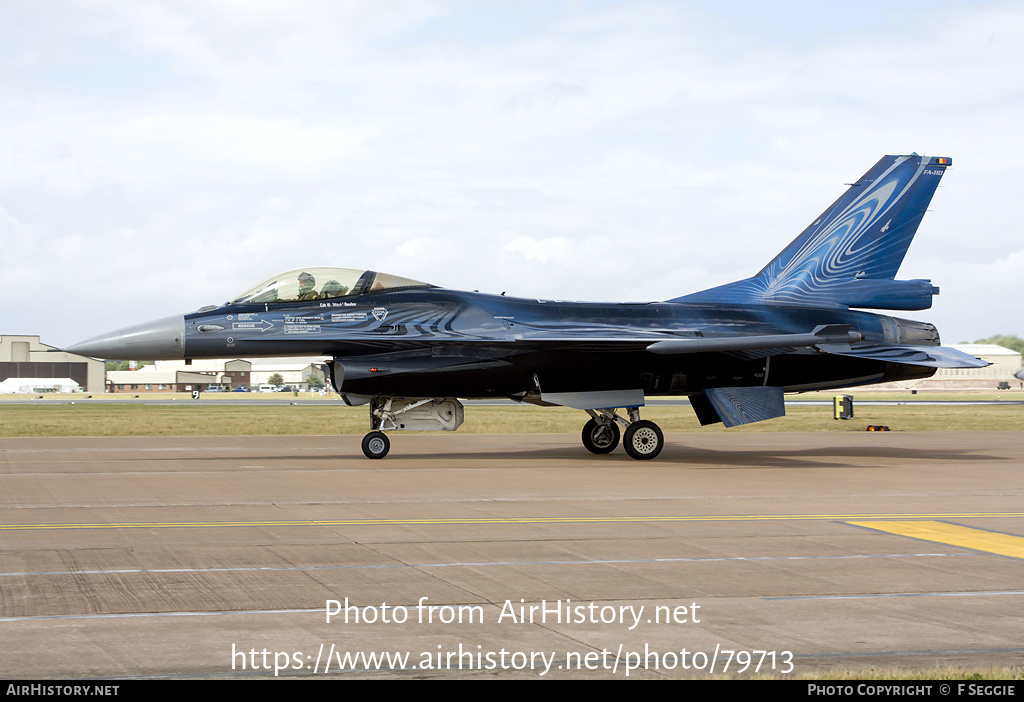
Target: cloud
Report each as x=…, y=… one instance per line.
x=592, y=150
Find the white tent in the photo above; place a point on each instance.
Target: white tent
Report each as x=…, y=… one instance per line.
x=39, y=385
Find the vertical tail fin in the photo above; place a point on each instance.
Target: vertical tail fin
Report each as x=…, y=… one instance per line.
x=850, y=254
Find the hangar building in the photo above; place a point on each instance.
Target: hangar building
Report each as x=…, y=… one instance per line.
x=1005, y=363
x=23, y=356
x=200, y=374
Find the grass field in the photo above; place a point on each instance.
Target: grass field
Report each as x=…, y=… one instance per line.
x=100, y=417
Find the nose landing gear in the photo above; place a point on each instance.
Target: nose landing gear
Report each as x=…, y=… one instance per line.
x=376, y=444
x=408, y=414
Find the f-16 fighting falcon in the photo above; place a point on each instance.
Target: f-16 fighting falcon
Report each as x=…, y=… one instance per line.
x=409, y=349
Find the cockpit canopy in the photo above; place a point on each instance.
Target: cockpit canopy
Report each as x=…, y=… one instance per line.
x=323, y=284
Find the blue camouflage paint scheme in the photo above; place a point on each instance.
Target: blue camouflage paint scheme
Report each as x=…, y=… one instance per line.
x=733, y=349
x=850, y=254
x=738, y=406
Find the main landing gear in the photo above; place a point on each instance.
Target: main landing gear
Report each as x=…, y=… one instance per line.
x=642, y=439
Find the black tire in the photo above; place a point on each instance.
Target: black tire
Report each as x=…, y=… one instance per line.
x=643, y=440
x=600, y=438
x=376, y=444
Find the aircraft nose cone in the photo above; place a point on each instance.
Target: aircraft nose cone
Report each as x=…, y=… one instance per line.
x=162, y=339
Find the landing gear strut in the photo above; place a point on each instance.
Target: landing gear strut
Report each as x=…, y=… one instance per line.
x=642, y=440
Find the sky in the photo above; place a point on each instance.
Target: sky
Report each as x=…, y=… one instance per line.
x=159, y=156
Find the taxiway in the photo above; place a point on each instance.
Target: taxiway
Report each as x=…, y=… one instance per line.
x=214, y=557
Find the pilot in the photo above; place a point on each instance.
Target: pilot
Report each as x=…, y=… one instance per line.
x=307, y=283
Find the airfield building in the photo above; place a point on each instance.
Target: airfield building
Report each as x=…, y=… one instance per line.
x=1005, y=363
x=226, y=375
x=25, y=362
x=177, y=376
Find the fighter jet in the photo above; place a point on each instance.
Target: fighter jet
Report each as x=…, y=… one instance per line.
x=409, y=350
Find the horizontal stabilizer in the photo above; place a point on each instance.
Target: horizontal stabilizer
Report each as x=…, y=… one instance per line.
x=736, y=406
x=931, y=356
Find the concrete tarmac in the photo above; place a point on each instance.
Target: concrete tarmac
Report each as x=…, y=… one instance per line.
x=465, y=555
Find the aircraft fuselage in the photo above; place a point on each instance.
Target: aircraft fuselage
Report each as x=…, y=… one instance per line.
x=428, y=342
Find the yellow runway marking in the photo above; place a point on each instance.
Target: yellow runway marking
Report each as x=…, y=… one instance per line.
x=976, y=539
x=516, y=520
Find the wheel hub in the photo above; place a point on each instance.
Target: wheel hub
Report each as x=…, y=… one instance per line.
x=645, y=440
